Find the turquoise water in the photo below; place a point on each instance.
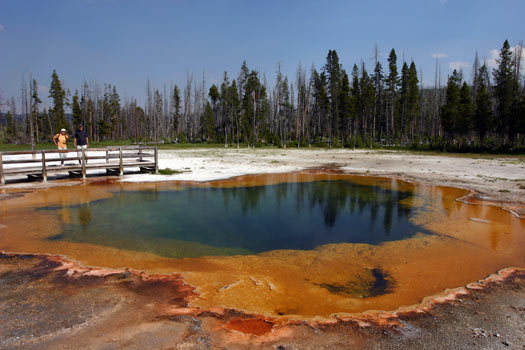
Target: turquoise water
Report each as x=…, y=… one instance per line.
x=195, y=222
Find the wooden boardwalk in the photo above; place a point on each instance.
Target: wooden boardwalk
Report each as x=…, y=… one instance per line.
x=40, y=164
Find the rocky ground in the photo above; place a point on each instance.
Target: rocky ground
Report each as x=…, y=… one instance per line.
x=44, y=306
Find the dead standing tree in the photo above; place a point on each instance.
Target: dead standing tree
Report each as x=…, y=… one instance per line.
x=185, y=123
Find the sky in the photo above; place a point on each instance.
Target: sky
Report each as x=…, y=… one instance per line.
x=127, y=42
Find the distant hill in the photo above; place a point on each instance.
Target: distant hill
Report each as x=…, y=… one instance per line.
x=20, y=118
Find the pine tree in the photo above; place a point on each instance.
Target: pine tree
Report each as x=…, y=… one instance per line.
x=356, y=101
x=263, y=109
x=214, y=95
x=233, y=107
x=483, y=117
x=378, y=79
x=35, y=102
x=282, y=108
x=250, y=104
x=224, y=108
x=115, y=114
x=521, y=117
x=322, y=104
x=57, y=93
x=392, y=83
x=140, y=119
x=403, y=99
x=242, y=79
x=44, y=123
x=504, y=92
x=77, y=112
x=176, y=104
x=10, y=127
x=450, y=110
x=413, y=99
x=367, y=101
x=157, y=113
x=464, y=123
x=209, y=123
x=475, y=73
x=346, y=108
x=333, y=69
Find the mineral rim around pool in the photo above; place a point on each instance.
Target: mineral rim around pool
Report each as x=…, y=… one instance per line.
x=300, y=245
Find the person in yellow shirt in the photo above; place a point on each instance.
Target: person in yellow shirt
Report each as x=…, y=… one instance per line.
x=60, y=140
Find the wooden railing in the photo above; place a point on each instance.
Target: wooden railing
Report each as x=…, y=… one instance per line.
x=113, y=159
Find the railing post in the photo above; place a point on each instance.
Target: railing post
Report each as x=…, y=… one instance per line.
x=44, y=168
x=2, y=180
x=83, y=162
x=107, y=155
x=156, y=160
x=140, y=154
x=121, y=165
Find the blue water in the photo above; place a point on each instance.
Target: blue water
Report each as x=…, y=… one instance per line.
x=243, y=220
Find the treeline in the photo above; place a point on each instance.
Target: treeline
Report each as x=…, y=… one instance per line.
x=324, y=107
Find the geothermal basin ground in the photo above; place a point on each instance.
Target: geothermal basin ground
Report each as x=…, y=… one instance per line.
x=75, y=298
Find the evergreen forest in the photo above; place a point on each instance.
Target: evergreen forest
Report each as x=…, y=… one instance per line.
x=331, y=106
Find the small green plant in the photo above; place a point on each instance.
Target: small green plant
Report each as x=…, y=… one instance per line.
x=169, y=171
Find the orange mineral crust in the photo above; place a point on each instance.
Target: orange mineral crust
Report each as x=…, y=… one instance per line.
x=464, y=243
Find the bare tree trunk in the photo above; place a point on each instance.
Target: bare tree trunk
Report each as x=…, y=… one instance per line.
x=26, y=111
x=186, y=120
x=34, y=106
x=50, y=126
x=31, y=112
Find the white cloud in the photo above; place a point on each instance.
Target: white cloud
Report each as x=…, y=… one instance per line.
x=494, y=55
x=43, y=88
x=2, y=27
x=439, y=55
x=443, y=2
x=457, y=65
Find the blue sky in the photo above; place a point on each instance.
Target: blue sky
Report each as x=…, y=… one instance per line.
x=125, y=42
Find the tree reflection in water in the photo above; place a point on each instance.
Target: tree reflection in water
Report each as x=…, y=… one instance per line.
x=244, y=220
x=332, y=197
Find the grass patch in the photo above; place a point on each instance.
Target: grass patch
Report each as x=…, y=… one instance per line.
x=504, y=191
x=7, y=147
x=514, y=162
x=515, y=159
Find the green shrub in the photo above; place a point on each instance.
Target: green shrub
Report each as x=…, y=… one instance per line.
x=169, y=171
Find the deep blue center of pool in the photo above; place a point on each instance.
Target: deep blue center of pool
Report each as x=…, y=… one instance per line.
x=242, y=220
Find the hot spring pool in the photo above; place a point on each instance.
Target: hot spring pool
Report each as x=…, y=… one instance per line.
x=193, y=222
x=299, y=245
